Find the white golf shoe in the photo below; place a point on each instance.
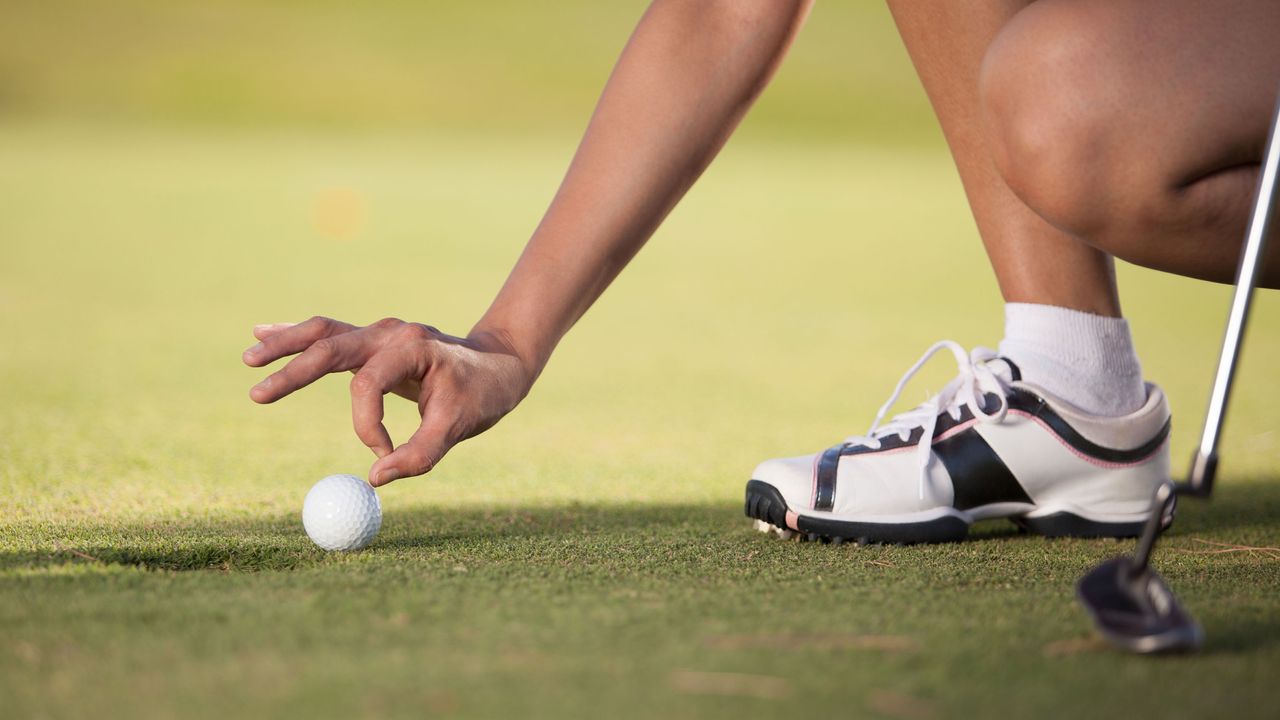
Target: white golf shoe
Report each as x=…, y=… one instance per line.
x=987, y=446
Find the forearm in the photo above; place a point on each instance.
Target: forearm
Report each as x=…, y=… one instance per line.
x=687, y=76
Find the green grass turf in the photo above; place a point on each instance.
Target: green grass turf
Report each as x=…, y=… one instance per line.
x=587, y=556
x=164, y=174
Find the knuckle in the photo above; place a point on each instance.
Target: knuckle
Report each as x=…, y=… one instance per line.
x=367, y=433
x=364, y=384
x=325, y=346
x=416, y=332
x=388, y=323
x=316, y=327
x=423, y=457
x=421, y=462
x=293, y=375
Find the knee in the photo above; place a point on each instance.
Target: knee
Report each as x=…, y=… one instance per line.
x=1053, y=105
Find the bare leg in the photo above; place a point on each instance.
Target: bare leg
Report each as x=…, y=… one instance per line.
x=1034, y=261
x=1138, y=126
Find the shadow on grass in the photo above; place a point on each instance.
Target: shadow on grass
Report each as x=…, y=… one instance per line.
x=279, y=543
x=1252, y=506
x=1235, y=636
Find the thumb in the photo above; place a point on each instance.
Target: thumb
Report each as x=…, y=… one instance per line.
x=418, y=455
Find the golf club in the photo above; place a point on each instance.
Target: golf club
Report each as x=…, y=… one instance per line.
x=1131, y=604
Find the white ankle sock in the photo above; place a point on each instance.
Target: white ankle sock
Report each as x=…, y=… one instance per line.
x=1087, y=360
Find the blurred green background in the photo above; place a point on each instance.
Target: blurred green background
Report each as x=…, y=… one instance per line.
x=507, y=69
x=172, y=173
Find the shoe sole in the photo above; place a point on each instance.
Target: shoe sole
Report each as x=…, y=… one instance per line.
x=765, y=504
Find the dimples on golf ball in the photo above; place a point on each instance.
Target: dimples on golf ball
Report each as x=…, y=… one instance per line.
x=341, y=512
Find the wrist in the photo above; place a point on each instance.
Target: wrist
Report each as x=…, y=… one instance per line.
x=491, y=338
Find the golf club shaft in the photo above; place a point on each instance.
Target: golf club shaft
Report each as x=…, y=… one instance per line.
x=1204, y=465
x=1161, y=505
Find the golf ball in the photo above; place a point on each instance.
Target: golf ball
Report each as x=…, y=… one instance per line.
x=341, y=512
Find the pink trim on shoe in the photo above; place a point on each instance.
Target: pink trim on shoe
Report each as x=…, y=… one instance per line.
x=1082, y=456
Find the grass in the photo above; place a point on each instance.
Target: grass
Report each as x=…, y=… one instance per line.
x=607, y=610
x=586, y=557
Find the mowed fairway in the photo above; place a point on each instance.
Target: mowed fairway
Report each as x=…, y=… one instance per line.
x=587, y=557
x=589, y=554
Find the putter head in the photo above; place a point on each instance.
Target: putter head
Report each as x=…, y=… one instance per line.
x=1134, y=609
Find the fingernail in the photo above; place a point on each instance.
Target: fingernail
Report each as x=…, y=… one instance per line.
x=269, y=326
x=253, y=350
x=263, y=385
x=388, y=475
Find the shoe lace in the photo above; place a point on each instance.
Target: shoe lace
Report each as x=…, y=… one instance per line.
x=974, y=381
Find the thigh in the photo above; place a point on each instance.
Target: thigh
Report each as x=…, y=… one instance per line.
x=1178, y=88
x=1201, y=79
x=1136, y=125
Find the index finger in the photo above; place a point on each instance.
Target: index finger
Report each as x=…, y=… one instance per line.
x=266, y=330
x=294, y=339
x=336, y=353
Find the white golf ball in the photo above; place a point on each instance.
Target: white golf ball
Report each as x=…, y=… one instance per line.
x=341, y=512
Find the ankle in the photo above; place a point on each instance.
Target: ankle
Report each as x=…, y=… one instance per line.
x=1088, y=360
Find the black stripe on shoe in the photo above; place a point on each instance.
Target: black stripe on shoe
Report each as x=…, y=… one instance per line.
x=824, y=489
x=1037, y=407
x=978, y=475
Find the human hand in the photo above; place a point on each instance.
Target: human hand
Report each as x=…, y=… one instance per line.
x=462, y=386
